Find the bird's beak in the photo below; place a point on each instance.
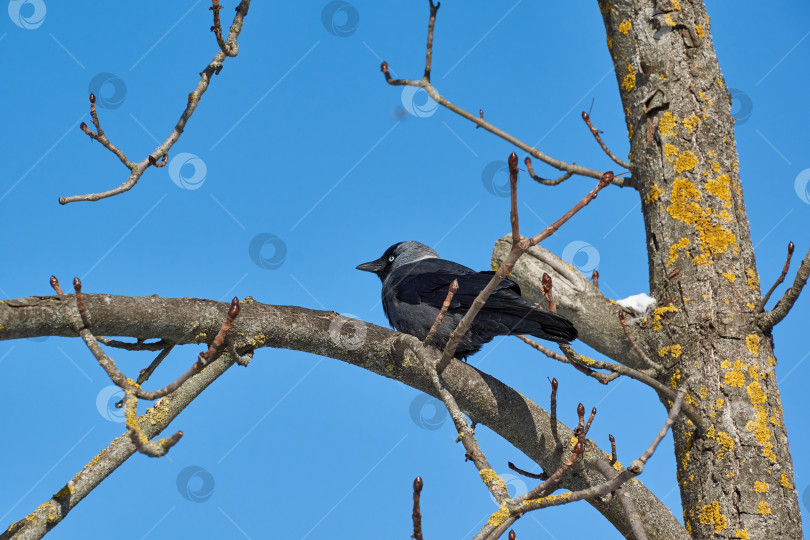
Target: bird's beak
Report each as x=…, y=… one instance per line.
x=372, y=266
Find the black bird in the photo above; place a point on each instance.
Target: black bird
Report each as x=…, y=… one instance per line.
x=415, y=282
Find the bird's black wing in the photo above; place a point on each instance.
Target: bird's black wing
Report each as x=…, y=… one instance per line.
x=427, y=282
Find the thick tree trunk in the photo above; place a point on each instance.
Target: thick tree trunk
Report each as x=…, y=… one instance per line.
x=736, y=480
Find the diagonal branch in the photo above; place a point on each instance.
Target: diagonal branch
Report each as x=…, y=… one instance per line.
x=479, y=121
x=518, y=249
x=773, y=317
x=761, y=306
x=595, y=132
x=159, y=155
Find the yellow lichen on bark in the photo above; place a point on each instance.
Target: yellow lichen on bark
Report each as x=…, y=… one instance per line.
x=667, y=123
x=725, y=442
x=752, y=343
x=673, y=249
x=673, y=350
x=691, y=123
x=675, y=378
x=762, y=433
x=735, y=377
x=763, y=508
x=760, y=487
x=712, y=514
x=686, y=161
x=655, y=193
x=721, y=188
x=659, y=312
x=625, y=27
x=630, y=79
x=714, y=238
x=756, y=393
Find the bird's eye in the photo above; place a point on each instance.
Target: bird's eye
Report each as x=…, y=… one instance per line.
x=391, y=258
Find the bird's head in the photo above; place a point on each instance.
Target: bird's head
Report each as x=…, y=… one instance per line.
x=396, y=256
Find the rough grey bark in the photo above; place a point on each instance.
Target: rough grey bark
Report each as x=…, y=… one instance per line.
x=737, y=480
x=595, y=316
x=390, y=354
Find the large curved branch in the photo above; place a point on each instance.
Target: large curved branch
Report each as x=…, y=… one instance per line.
x=485, y=399
x=578, y=300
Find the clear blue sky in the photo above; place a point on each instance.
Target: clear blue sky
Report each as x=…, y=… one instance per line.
x=299, y=137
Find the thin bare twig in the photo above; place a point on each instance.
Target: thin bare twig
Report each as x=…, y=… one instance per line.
x=547, y=283
x=545, y=181
x=629, y=507
x=595, y=132
x=417, y=513
x=588, y=424
x=761, y=306
x=771, y=318
x=157, y=448
x=541, y=476
x=518, y=249
x=620, y=369
x=553, y=410
x=466, y=435
x=159, y=156
x=55, y=285
x=479, y=121
x=137, y=346
x=613, y=457
x=445, y=306
x=431, y=23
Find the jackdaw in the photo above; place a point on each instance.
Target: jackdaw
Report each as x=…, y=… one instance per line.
x=415, y=282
